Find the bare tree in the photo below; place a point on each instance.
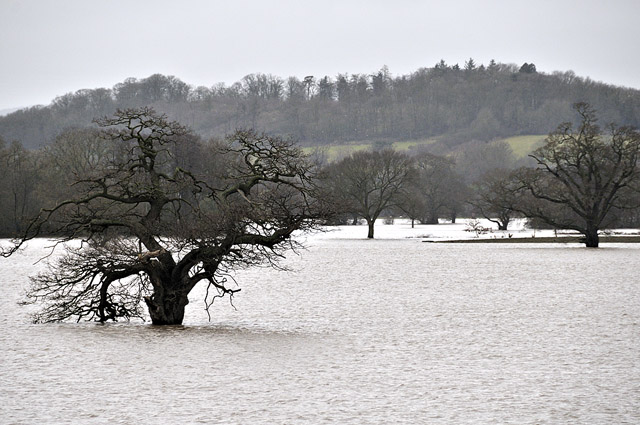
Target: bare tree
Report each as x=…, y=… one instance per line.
x=309, y=84
x=152, y=229
x=366, y=183
x=436, y=183
x=582, y=174
x=496, y=197
x=18, y=186
x=412, y=203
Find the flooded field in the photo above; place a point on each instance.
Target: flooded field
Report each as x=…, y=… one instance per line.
x=385, y=331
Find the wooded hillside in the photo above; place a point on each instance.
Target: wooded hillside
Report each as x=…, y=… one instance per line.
x=456, y=104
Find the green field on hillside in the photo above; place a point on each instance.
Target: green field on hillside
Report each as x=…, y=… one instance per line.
x=524, y=145
x=521, y=146
x=338, y=151
x=413, y=144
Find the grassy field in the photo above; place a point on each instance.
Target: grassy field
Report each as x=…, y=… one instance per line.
x=411, y=144
x=337, y=151
x=524, y=145
x=521, y=146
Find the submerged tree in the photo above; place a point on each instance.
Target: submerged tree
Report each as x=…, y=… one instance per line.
x=582, y=174
x=165, y=212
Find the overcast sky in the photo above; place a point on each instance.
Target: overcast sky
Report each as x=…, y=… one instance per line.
x=52, y=47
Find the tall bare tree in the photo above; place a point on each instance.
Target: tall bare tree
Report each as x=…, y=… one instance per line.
x=496, y=197
x=582, y=174
x=437, y=186
x=367, y=183
x=152, y=229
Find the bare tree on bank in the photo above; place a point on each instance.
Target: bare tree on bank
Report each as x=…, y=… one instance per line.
x=433, y=190
x=152, y=229
x=582, y=174
x=437, y=183
x=497, y=197
x=367, y=183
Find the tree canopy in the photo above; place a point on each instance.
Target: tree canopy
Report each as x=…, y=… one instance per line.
x=582, y=174
x=456, y=104
x=367, y=183
x=496, y=197
x=162, y=212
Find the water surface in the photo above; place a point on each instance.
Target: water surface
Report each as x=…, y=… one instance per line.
x=376, y=332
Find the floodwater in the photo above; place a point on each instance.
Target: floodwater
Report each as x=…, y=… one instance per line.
x=359, y=332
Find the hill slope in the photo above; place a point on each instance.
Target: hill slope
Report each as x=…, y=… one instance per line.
x=448, y=103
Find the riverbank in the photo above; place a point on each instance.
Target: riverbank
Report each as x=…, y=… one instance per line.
x=553, y=239
x=463, y=232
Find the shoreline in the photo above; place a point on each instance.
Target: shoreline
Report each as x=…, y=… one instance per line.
x=551, y=239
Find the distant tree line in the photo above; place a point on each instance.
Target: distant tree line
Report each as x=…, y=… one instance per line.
x=161, y=211
x=585, y=177
x=458, y=104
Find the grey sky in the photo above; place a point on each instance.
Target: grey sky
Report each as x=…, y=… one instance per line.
x=52, y=47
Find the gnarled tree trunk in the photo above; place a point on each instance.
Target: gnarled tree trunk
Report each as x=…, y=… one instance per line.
x=166, y=307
